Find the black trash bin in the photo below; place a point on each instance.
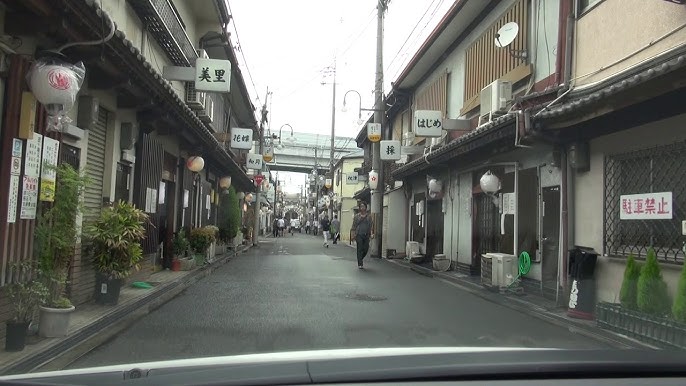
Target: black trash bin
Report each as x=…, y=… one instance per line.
x=582, y=262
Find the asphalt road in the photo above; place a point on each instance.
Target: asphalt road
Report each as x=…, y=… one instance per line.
x=293, y=294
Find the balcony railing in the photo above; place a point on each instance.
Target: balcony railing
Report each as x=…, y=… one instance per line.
x=159, y=17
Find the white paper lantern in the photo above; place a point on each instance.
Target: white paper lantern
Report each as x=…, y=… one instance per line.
x=373, y=179
x=225, y=182
x=435, y=186
x=328, y=183
x=490, y=183
x=55, y=85
x=195, y=164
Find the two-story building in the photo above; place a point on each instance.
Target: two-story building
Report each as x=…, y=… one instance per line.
x=346, y=184
x=132, y=131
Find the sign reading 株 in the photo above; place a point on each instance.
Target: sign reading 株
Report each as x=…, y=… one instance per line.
x=646, y=206
x=213, y=75
x=241, y=138
x=428, y=123
x=390, y=150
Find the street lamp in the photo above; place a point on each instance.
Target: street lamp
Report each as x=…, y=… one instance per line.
x=291, y=138
x=359, y=107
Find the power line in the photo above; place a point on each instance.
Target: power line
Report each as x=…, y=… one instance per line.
x=240, y=49
x=410, y=34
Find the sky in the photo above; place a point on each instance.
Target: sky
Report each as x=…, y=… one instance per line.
x=286, y=47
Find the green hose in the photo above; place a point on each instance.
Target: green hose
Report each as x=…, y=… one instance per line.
x=524, y=263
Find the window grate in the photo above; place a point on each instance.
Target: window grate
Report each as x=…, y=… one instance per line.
x=658, y=169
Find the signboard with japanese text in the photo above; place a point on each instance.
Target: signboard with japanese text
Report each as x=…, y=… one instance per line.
x=374, y=132
x=186, y=198
x=428, y=123
x=352, y=179
x=15, y=166
x=13, y=200
x=646, y=206
x=29, y=198
x=51, y=149
x=241, y=138
x=34, y=147
x=254, y=161
x=390, y=150
x=212, y=75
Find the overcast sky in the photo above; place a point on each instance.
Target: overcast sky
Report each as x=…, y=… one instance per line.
x=288, y=44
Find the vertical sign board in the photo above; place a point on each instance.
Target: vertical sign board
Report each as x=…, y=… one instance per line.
x=51, y=149
x=390, y=150
x=17, y=147
x=646, y=206
x=254, y=161
x=241, y=138
x=13, y=199
x=428, y=123
x=34, y=147
x=29, y=198
x=212, y=75
x=374, y=132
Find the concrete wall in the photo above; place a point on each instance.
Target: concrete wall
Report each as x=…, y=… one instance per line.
x=588, y=193
x=627, y=32
x=394, y=238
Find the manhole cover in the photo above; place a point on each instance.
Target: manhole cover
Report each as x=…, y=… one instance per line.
x=365, y=297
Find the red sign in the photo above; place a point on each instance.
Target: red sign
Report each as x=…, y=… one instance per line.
x=258, y=179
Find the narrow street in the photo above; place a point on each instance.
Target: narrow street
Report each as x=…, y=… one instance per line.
x=293, y=294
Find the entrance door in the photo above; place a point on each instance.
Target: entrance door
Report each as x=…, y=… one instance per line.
x=550, y=237
x=485, y=237
x=434, y=230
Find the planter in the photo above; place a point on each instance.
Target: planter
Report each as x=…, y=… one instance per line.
x=54, y=322
x=655, y=330
x=187, y=264
x=176, y=265
x=15, y=336
x=220, y=249
x=107, y=290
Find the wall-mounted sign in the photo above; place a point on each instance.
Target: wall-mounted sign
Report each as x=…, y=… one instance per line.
x=646, y=206
x=390, y=150
x=428, y=123
x=13, y=200
x=15, y=166
x=241, y=138
x=374, y=132
x=34, y=147
x=51, y=149
x=213, y=75
x=352, y=179
x=254, y=161
x=29, y=198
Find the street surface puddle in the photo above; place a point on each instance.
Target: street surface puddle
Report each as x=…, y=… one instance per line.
x=365, y=297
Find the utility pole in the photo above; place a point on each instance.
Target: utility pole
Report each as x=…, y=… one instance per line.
x=333, y=133
x=377, y=194
x=256, y=207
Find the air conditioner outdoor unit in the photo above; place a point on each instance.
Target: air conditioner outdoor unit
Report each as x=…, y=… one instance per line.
x=504, y=269
x=408, y=138
x=207, y=114
x=438, y=141
x=202, y=54
x=194, y=99
x=495, y=99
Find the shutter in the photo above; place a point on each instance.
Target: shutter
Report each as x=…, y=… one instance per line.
x=148, y=174
x=95, y=167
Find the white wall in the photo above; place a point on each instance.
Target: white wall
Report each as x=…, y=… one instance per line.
x=588, y=193
x=463, y=203
x=394, y=238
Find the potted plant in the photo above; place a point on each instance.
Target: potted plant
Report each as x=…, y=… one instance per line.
x=56, y=240
x=25, y=292
x=213, y=233
x=115, y=241
x=181, y=246
x=201, y=238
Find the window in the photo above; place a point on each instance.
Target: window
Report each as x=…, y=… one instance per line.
x=585, y=5
x=659, y=169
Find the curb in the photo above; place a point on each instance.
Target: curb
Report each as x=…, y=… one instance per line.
x=616, y=340
x=106, y=327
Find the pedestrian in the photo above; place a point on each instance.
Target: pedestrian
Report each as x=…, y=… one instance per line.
x=275, y=227
x=282, y=224
x=363, y=227
x=315, y=227
x=326, y=228
x=335, y=228
x=307, y=227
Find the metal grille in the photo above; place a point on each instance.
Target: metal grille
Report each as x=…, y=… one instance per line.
x=658, y=169
x=487, y=224
x=70, y=155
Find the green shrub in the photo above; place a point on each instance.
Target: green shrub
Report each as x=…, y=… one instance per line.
x=233, y=218
x=202, y=238
x=627, y=295
x=181, y=243
x=679, y=306
x=652, y=295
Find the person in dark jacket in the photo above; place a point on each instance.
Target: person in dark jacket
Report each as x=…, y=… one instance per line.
x=326, y=228
x=363, y=228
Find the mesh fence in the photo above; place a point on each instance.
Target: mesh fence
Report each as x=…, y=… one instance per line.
x=653, y=170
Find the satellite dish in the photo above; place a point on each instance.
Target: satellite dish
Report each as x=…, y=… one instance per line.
x=506, y=34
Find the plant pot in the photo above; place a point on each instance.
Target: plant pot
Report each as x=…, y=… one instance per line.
x=187, y=264
x=107, y=290
x=15, y=336
x=655, y=330
x=54, y=322
x=176, y=265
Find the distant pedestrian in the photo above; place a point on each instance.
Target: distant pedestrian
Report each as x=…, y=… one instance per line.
x=282, y=224
x=275, y=227
x=307, y=227
x=326, y=228
x=363, y=227
x=315, y=227
x=335, y=229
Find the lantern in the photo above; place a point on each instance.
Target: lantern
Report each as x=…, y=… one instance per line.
x=328, y=183
x=268, y=154
x=225, y=182
x=248, y=197
x=490, y=183
x=373, y=179
x=55, y=85
x=195, y=164
x=240, y=195
x=374, y=132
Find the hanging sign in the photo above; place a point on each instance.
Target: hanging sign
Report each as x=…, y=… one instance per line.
x=29, y=198
x=213, y=75
x=254, y=161
x=241, y=138
x=258, y=179
x=51, y=149
x=428, y=123
x=374, y=132
x=34, y=146
x=390, y=150
x=352, y=179
x=646, y=206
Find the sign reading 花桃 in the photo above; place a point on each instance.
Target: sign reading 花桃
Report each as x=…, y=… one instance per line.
x=646, y=206
x=212, y=75
x=254, y=161
x=241, y=138
x=352, y=179
x=390, y=150
x=428, y=123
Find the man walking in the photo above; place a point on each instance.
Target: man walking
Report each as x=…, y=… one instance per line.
x=326, y=228
x=275, y=227
x=335, y=229
x=363, y=227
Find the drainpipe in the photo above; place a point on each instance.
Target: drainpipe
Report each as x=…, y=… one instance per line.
x=564, y=227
